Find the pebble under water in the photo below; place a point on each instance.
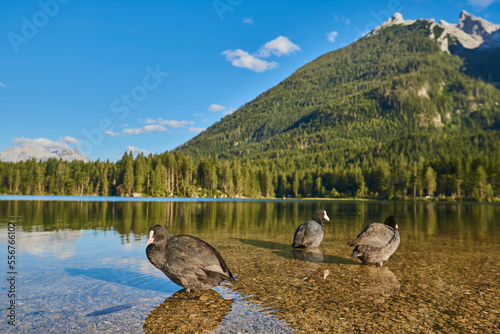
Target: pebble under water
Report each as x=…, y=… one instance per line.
x=82, y=267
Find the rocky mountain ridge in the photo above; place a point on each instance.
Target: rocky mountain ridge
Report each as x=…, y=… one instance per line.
x=471, y=32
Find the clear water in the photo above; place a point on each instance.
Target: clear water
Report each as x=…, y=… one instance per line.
x=81, y=267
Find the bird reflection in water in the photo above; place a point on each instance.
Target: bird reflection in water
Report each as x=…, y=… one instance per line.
x=183, y=312
x=314, y=255
x=309, y=259
x=377, y=283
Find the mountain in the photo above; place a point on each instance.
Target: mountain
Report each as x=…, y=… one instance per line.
x=398, y=88
x=38, y=152
x=475, y=40
x=470, y=32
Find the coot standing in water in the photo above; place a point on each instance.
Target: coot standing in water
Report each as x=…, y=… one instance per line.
x=188, y=261
x=310, y=234
x=377, y=242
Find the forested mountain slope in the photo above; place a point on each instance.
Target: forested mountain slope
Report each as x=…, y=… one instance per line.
x=387, y=86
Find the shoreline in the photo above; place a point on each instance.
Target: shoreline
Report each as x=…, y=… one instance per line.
x=4, y=197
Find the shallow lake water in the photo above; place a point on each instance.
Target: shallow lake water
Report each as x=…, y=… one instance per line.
x=81, y=267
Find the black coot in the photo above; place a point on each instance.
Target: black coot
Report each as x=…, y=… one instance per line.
x=310, y=234
x=188, y=261
x=377, y=242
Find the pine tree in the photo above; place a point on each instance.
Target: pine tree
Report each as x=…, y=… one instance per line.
x=430, y=178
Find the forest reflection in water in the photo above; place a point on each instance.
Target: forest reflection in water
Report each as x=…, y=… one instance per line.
x=444, y=276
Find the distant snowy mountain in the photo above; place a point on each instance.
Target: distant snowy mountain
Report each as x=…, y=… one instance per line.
x=471, y=32
x=26, y=152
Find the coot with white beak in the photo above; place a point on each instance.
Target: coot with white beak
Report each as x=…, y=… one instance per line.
x=310, y=234
x=188, y=261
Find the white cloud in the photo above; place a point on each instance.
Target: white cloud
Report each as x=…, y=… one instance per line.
x=481, y=3
x=69, y=139
x=125, y=125
x=279, y=46
x=137, y=131
x=151, y=128
x=44, y=142
x=170, y=123
x=225, y=110
x=153, y=125
x=136, y=150
x=240, y=58
x=197, y=130
x=216, y=107
x=2, y=84
x=331, y=36
x=248, y=20
x=47, y=242
x=175, y=124
x=344, y=19
x=199, y=115
x=229, y=112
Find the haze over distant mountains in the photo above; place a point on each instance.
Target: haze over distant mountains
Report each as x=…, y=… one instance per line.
x=30, y=151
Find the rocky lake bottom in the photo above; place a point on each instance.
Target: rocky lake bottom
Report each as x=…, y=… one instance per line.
x=82, y=268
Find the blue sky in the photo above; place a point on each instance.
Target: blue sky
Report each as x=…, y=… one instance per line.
x=110, y=76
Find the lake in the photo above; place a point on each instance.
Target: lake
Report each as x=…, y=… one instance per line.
x=80, y=266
